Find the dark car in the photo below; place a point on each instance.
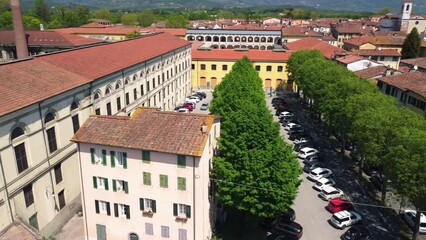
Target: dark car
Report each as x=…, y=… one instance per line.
x=178, y=107
x=288, y=216
x=356, y=233
x=296, y=136
x=297, y=129
x=377, y=180
x=312, y=158
x=287, y=228
x=277, y=100
x=299, y=146
x=369, y=169
x=312, y=165
x=201, y=94
x=274, y=236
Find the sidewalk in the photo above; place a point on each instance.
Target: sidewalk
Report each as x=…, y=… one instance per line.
x=72, y=230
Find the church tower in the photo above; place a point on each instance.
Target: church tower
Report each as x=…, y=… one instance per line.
x=407, y=6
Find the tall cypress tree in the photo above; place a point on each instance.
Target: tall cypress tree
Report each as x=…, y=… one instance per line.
x=411, y=46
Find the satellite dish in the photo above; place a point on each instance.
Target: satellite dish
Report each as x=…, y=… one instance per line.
x=415, y=67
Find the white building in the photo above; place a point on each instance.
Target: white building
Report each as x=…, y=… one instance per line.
x=148, y=181
x=44, y=100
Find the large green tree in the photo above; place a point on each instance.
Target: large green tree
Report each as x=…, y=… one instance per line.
x=256, y=171
x=177, y=21
x=41, y=10
x=411, y=46
x=146, y=18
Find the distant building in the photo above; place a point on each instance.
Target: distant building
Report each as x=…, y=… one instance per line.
x=418, y=64
x=355, y=63
x=110, y=34
x=387, y=57
x=345, y=31
x=291, y=34
x=148, y=181
x=373, y=73
x=405, y=21
x=328, y=51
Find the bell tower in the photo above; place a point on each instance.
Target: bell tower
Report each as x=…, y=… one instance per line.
x=407, y=7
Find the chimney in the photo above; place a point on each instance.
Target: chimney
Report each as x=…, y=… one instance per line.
x=18, y=27
x=204, y=128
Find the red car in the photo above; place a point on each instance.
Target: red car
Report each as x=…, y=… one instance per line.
x=338, y=204
x=188, y=106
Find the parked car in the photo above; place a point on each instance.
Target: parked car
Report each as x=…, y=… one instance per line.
x=329, y=192
x=294, y=136
x=299, y=146
x=345, y=219
x=323, y=182
x=285, y=120
x=410, y=218
x=312, y=158
x=290, y=126
x=190, y=100
x=287, y=228
x=277, y=100
x=203, y=94
x=319, y=173
x=195, y=98
x=307, y=151
x=193, y=104
x=356, y=233
x=369, y=169
x=178, y=107
x=301, y=140
x=287, y=216
x=183, y=110
x=189, y=106
x=204, y=106
x=285, y=114
x=339, y=204
x=274, y=236
x=296, y=129
x=311, y=166
x=377, y=180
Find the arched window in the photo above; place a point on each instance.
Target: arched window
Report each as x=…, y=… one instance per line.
x=141, y=74
x=49, y=117
x=117, y=86
x=133, y=236
x=75, y=120
x=107, y=91
x=17, y=132
x=134, y=77
x=97, y=96
x=74, y=106
x=126, y=81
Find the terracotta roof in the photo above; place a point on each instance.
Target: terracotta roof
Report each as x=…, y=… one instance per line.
x=312, y=43
x=299, y=32
x=384, y=40
x=412, y=81
x=328, y=38
x=353, y=29
x=373, y=72
x=23, y=83
x=349, y=59
x=173, y=31
x=376, y=52
x=98, y=31
x=47, y=38
x=419, y=62
x=359, y=40
x=231, y=54
x=177, y=133
x=93, y=25
x=253, y=27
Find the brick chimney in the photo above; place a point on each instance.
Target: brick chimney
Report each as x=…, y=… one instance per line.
x=18, y=27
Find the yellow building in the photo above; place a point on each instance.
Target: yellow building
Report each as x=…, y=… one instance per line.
x=209, y=66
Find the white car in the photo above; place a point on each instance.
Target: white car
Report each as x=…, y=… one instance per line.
x=289, y=126
x=329, y=192
x=286, y=114
x=323, y=182
x=300, y=140
x=410, y=218
x=345, y=218
x=192, y=99
x=184, y=110
x=318, y=173
x=307, y=151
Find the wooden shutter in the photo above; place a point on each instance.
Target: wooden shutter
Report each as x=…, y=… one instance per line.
x=181, y=161
x=95, y=182
x=154, y=206
x=115, y=209
x=181, y=183
x=175, y=209
x=114, y=185
x=127, y=209
x=124, y=160
x=104, y=157
x=146, y=156
x=92, y=155
x=106, y=183
x=108, y=209
x=141, y=204
x=112, y=154
x=126, y=187
x=97, y=206
x=188, y=211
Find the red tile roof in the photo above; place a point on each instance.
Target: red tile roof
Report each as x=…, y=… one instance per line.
x=376, y=52
x=177, y=133
x=173, y=31
x=299, y=32
x=231, y=54
x=373, y=72
x=98, y=31
x=312, y=43
x=47, y=38
x=412, y=81
x=419, y=62
x=27, y=82
x=349, y=59
x=359, y=40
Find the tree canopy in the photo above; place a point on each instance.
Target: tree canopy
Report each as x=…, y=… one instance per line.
x=411, y=46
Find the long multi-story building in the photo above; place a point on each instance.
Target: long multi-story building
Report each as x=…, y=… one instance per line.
x=142, y=180
x=46, y=97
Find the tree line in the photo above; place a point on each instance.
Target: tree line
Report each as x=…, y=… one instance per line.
x=385, y=136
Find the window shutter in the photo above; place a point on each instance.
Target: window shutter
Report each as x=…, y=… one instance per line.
x=95, y=182
x=108, y=209
x=124, y=160
x=115, y=209
x=181, y=161
x=188, y=211
x=141, y=204
x=104, y=157
x=106, y=183
x=175, y=210
x=97, y=206
x=126, y=187
x=154, y=206
x=114, y=185
x=127, y=209
x=92, y=155
x=112, y=154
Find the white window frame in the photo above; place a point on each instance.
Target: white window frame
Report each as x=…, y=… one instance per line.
x=147, y=204
x=103, y=207
x=119, y=159
x=182, y=210
x=121, y=210
x=120, y=185
x=98, y=155
x=101, y=182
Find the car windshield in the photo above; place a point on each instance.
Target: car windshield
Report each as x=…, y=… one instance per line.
x=318, y=183
x=423, y=224
x=338, y=219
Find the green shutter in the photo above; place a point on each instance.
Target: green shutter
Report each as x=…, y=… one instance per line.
x=97, y=206
x=175, y=210
x=114, y=185
x=92, y=155
x=141, y=204
x=181, y=183
x=127, y=209
x=147, y=178
x=124, y=160
x=115, y=209
x=164, y=181
x=95, y=182
x=104, y=157
x=181, y=161
x=126, y=187
x=146, y=156
x=188, y=211
x=106, y=183
x=108, y=209
x=112, y=154
x=154, y=206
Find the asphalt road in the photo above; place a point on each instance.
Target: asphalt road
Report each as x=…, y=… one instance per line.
x=310, y=211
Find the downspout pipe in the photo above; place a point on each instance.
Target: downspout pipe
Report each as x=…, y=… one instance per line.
x=193, y=194
x=5, y=189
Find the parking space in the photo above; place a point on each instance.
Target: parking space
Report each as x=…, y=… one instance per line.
x=206, y=100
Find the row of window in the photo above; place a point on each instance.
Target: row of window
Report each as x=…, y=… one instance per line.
x=225, y=67
x=29, y=195
x=146, y=206
x=149, y=230
x=121, y=185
